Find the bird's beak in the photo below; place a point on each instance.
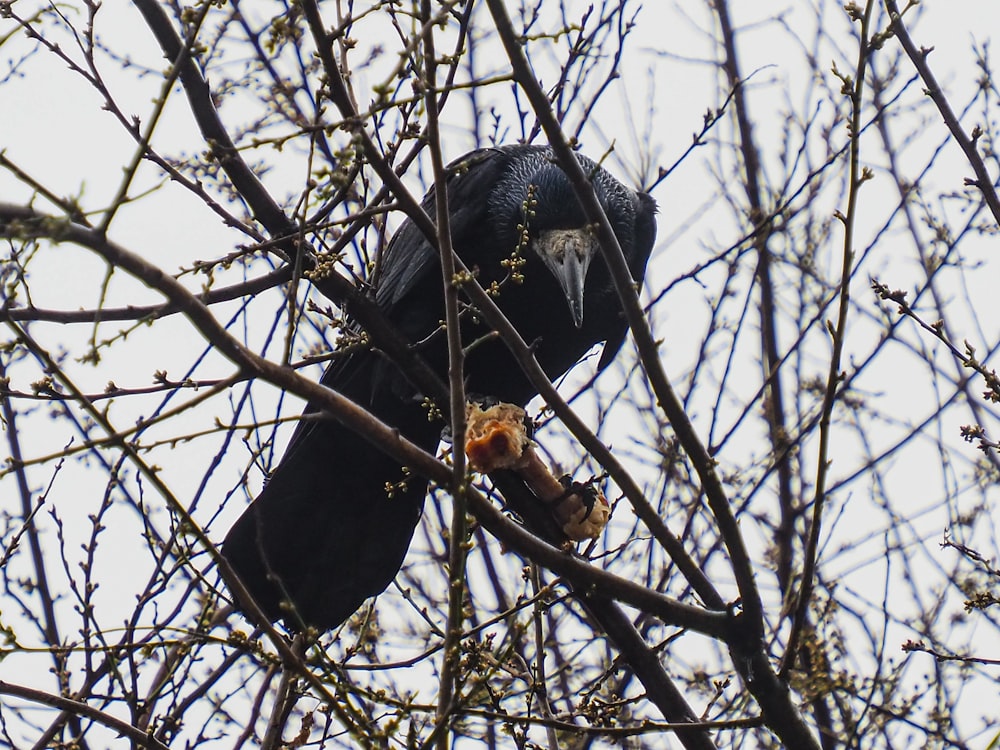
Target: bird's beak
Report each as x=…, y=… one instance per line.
x=567, y=254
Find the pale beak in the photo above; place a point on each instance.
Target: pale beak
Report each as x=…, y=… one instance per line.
x=567, y=254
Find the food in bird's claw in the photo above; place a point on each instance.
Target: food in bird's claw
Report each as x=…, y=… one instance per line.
x=332, y=524
x=496, y=438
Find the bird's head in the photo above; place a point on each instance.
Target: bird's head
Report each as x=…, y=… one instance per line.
x=567, y=254
x=560, y=234
x=539, y=196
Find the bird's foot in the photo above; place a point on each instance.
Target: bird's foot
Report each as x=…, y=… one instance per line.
x=497, y=438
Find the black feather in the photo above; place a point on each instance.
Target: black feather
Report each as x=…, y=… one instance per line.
x=324, y=534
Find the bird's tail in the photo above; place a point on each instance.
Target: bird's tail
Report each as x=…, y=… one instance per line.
x=334, y=521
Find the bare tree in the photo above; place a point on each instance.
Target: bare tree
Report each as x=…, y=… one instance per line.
x=192, y=203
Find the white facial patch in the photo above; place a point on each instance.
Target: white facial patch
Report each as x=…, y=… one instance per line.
x=567, y=254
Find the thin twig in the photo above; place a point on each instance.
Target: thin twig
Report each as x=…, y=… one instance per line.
x=838, y=333
x=918, y=57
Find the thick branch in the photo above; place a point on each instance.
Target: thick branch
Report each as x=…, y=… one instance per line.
x=79, y=708
x=787, y=722
x=199, y=95
x=648, y=349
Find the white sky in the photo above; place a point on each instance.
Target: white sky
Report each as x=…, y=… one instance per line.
x=52, y=125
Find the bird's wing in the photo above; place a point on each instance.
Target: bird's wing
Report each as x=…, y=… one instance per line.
x=410, y=261
x=410, y=257
x=636, y=256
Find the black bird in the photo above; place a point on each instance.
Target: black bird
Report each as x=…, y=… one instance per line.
x=324, y=534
